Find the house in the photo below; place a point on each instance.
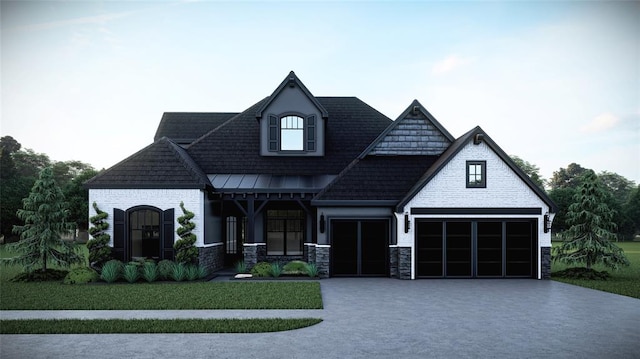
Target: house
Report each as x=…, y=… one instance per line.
x=332, y=181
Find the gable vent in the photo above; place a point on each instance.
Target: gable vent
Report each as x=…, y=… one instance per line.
x=415, y=110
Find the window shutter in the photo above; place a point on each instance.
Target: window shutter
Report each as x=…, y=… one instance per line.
x=273, y=133
x=311, y=133
x=168, y=235
x=119, y=231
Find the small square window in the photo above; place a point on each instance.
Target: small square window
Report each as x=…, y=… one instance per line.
x=476, y=174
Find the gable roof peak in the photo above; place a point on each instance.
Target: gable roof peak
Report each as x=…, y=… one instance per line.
x=414, y=132
x=292, y=80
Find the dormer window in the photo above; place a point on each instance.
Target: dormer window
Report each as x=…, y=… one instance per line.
x=292, y=132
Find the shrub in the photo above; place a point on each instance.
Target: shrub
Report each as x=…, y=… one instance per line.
x=81, y=275
x=150, y=272
x=40, y=275
x=112, y=271
x=179, y=272
x=582, y=273
x=276, y=269
x=262, y=269
x=312, y=270
x=131, y=272
x=99, y=250
x=241, y=267
x=165, y=269
x=295, y=268
x=192, y=272
x=186, y=251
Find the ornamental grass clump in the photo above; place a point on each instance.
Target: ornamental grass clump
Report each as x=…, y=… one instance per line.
x=276, y=269
x=241, y=267
x=179, y=272
x=312, y=270
x=150, y=272
x=112, y=271
x=131, y=272
x=192, y=273
x=202, y=272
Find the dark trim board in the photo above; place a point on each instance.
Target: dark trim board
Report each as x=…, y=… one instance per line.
x=524, y=210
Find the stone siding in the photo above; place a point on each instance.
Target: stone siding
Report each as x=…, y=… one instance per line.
x=322, y=261
x=393, y=262
x=212, y=258
x=404, y=262
x=254, y=253
x=545, y=262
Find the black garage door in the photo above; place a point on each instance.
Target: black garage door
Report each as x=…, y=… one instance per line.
x=359, y=247
x=478, y=248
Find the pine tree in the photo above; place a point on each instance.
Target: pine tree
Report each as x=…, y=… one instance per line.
x=186, y=252
x=590, y=237
x=44, y=214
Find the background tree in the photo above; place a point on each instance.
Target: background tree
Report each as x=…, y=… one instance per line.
x=632, y=209
x=44, y=215
x=589, y=239
x=567, y=177
x=186, y=252
x=20, y=168
x=530, y=169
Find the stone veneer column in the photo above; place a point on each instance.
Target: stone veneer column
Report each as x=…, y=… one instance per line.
x=322, y=260
x=393, y=262
x=545, y=262
x=310, y=252
x=404, y=262
x=254, y=253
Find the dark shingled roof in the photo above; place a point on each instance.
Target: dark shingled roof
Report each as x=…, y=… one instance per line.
x=376, y=178
x=186, y=127
x=163, y=164
x=235, y=146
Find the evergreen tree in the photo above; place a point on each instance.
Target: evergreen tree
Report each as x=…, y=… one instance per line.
x=186, y=251
x=589, y=237
x=44, y=215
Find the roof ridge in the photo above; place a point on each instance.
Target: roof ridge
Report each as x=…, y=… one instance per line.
x=187, y=162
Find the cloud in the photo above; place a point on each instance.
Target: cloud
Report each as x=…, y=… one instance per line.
x=600, y=123
x=449, y=64
x=98, y=19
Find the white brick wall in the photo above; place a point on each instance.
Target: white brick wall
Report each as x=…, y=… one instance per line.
x=108, y=199
x=448, y=189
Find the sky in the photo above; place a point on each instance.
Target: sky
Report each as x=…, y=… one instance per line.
x=552, y=82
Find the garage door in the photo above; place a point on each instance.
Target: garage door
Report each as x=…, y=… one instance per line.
x=359, y=247
x=478, y=248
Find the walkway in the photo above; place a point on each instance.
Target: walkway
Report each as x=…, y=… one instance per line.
x=390, y=318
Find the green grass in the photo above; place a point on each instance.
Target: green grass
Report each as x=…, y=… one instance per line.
x=103, y=326
x=625, y=281
x=124, y=296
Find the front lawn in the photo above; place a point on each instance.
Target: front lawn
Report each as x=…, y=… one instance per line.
x=140, y=296
x=124, y=296
x=625, y=281
x=104, y=326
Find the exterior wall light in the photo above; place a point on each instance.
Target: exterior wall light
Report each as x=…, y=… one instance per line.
x=322, y=223
x=407, y=223
x=547, y=223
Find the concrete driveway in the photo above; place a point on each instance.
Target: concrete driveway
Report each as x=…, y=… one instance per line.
x=390, y=318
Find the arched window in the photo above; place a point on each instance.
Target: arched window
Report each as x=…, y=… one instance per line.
x=291, y=133
x=144, y=233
